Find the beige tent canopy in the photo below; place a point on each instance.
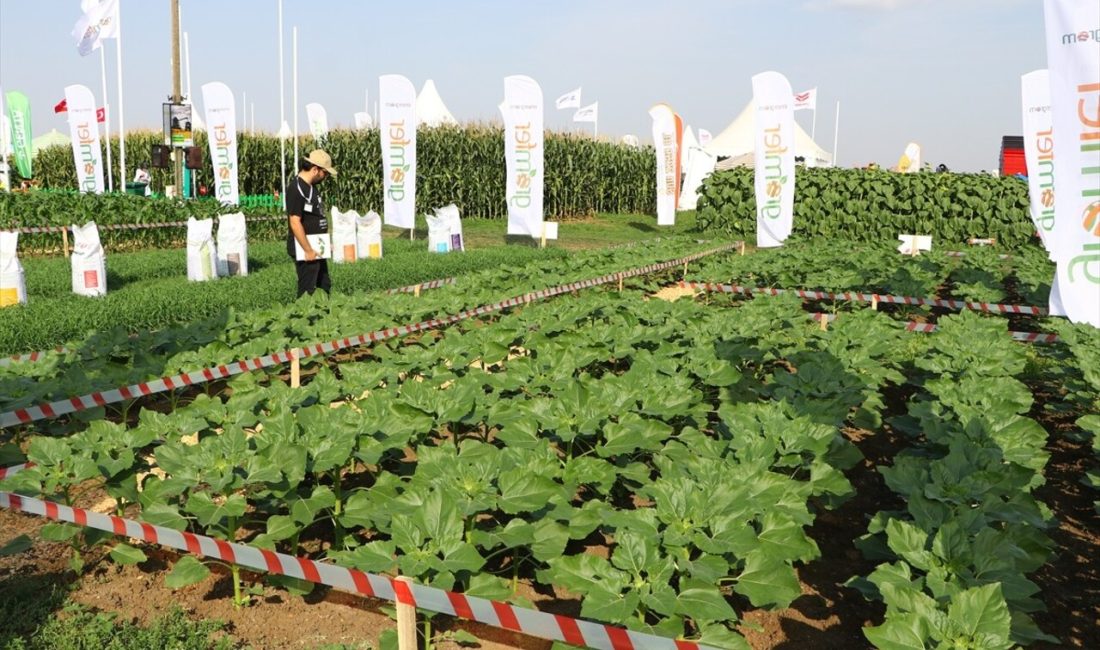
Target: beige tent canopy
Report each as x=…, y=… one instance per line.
x=52, y=139
x=737, y=141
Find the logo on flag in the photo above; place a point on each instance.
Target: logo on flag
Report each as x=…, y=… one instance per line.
x=569, y=100
x=806, y=100
x=589, y=113
x=98, y=22
x=63, y=106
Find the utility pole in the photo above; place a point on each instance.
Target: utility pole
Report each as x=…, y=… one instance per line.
x=177, y=96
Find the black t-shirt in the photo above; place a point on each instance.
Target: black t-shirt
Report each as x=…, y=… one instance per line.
x=303, y=200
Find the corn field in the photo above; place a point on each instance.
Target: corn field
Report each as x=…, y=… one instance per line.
x=461, y=165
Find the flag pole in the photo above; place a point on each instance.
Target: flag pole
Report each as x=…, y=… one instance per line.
x=106, y=117
x=813, y=125
x=294, y=72
x=253, y=129
x=282, y=107
x=244, y=110
x=121, y=108
x=836, y=132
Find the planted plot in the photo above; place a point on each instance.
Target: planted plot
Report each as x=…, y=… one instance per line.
x=651, y=464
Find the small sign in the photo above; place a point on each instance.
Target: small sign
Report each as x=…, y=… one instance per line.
x=913, y=244
x=177, y=125
x=321, y=244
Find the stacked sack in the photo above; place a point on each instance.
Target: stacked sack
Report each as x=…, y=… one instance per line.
x=89, y=263
x=202, y=257
x=13, y=282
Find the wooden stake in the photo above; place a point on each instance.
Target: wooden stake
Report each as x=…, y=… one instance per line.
x=685, y=271
x=406, y=623
x=742, y=249
x=620, y=283
x=295, y=370
x=874, y=302
x=542, y=242
x=65, y=241
x=416, y=291
x=824, y=322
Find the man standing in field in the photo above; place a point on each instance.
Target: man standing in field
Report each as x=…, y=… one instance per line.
x=306, y=217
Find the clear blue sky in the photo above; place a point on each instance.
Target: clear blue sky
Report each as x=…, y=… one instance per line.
x=944, y=73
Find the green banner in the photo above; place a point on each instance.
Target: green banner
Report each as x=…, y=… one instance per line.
x=19, y=112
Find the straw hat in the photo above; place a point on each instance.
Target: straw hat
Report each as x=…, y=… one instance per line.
x=320, y=158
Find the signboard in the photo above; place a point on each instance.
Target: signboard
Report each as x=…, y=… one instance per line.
x=177, y=125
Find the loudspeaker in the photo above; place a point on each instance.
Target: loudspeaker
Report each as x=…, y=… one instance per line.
x=193, y=157
x=161, y=156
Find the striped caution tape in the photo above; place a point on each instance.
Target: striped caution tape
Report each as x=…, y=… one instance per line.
x=1002, y=256
x=957, y=305
x=127, y=226
x=56, y=409
x=554, y=627
x=41, y=354
x=913, y=326
x=434, y=284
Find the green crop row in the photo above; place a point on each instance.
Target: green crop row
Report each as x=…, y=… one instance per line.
x=864, y=205
x=464, y=166
x=149, y=289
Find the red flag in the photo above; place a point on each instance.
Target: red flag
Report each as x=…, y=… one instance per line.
x=101, y=115
x=61, y=107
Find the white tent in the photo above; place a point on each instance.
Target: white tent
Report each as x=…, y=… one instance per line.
x=430, y=109
x=737, y=141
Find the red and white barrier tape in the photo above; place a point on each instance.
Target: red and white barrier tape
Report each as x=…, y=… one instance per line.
x=490, y=612
x=1002, y=256
x=434, y=284
x=126, y=226
x=40, y=354
x=102, y=398
x=957, y=305
x=913, y=326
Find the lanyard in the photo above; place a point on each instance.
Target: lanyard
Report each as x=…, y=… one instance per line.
x=308, y=199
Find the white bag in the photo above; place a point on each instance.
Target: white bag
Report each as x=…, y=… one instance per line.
x=454, y=223
x=344, y=236
x=439, y=233
x=89, y=264
x=13, y=282
x=232, y=245
x=368, y=235
x=202, y=257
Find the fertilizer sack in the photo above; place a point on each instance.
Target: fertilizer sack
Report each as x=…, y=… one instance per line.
x=202, y=257
x=454, y=224
x=368, y=234
x=232, y=245
x=13, y=282
x=344, y=244
x=439, y=233
x=89, y=263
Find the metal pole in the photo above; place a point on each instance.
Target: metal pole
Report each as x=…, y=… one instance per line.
x=177, y=98
x=294, y=72
x=282, y=108
x=106, y=117
x=836, y=132
x=121, y=108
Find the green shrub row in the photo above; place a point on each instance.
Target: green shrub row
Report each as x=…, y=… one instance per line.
x=878, y=205
x=461, y=165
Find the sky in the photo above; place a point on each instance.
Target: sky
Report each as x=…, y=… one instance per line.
x=942, y=73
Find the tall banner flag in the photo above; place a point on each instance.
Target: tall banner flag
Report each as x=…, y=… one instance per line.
x=704, y=138
x=397, y=125
x=221, y=130
x=1039, y=150
x=806, y=100
x=19, y=112
x=590, y=113
x=99, y=21
x=571, y=99
x=668, y=132
x=84, y=131
x=318, y=120
x=909, y=163
x=523, y=155
x=774, y=158
x=1073, y=62
x=5, y=148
